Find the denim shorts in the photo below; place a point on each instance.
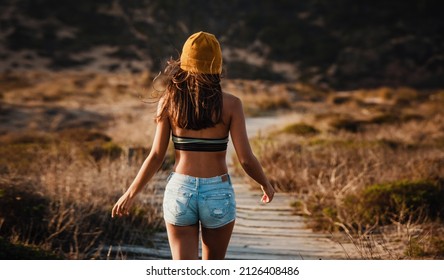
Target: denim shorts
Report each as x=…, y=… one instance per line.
x=188, y=200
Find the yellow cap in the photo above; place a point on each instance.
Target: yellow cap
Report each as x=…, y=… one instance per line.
x=201, y=53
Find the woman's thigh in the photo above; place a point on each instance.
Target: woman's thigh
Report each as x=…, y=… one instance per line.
x=215, y=241
x=184, y=241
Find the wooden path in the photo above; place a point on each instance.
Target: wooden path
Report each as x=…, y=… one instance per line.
x=272, y=231
x=262, y=231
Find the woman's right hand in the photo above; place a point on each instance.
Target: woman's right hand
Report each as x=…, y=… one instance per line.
x=123, y=205
x=268, y=195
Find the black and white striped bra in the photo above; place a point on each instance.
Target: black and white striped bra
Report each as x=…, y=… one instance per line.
x=200, y=144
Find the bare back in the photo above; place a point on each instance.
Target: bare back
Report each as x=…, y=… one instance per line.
x=206, y=164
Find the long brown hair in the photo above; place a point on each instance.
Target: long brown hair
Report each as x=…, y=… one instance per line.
x=191, y=100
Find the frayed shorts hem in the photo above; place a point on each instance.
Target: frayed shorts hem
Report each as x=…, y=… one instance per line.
x=209, y=227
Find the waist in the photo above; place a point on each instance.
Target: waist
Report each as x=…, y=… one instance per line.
x=174, y=176
x=197, y=164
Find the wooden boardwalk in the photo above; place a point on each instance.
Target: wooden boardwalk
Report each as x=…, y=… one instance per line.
x=272, y=231
x=262, y=231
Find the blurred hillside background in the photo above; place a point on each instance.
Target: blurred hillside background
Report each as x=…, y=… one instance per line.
x=340, y=44
x=357, y=87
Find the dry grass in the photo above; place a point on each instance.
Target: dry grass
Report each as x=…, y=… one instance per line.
x=356, y=149
x=65, y=144
x=71, y=143
x=262, y=97
x=61, y=201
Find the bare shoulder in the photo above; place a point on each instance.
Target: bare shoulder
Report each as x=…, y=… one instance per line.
x=233, y=109
x=231, y=101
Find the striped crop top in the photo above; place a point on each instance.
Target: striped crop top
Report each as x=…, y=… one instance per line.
x=200, y=144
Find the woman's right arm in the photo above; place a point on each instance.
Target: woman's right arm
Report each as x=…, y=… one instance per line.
x=244, y=153
x=149, y=167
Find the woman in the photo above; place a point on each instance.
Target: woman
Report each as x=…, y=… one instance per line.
x=199, y=116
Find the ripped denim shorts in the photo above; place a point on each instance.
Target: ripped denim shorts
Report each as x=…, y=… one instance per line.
x=188, y=200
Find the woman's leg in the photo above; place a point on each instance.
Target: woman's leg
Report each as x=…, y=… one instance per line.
x=215, y=241
x=184, y=241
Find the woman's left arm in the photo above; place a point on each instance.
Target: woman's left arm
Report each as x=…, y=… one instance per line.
x=149, y=167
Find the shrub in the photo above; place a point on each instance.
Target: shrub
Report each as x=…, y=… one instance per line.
x=347, y=124
x=426, y=247
x=339, y=99
x=438, y=96
x=108, y=150
x=22, y=209
x=406, y=96
x=84, y=135
x=20, y=157
x=300, y=129
x=385, y=203
x=385, y=118
x=10, y=251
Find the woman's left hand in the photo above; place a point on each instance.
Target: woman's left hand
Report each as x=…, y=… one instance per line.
x=268, y=195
